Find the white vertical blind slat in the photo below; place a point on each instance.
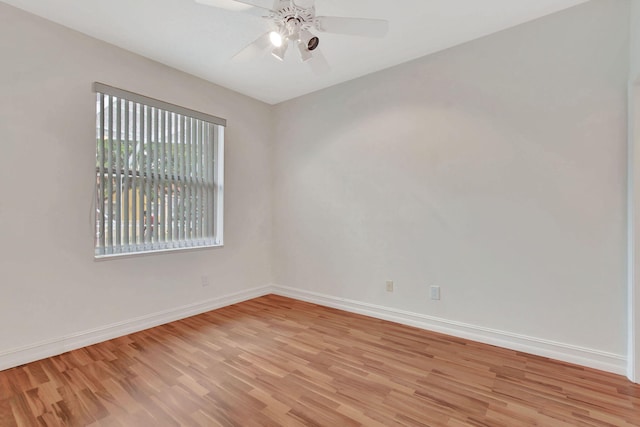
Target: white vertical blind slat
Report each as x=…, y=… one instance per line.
x=172, y=175
x=134, y=173
x=180, y=173
x=109, y=177
x=142, y=161
x=187, y=178
x=117, y=176
x=193, y=190
x=162, y=124
x=205, y=180
x=125, y=174
x=212, y=189
x=101, y=175
x=219, y=183
x=201, y=181
x=147, y=175
x=196, y=182
x=155, y=222
x=214, y=162
x=182, y=203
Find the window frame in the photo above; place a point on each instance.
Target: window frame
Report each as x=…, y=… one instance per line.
x=211, y=141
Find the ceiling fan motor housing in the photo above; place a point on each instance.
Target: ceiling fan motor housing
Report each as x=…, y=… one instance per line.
x=294, y=23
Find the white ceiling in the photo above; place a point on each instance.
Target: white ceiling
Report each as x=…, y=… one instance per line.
x=200, y=40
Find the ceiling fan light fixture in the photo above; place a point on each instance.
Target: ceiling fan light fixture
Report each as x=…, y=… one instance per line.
x=276, y=38
x=310, y=41
x=305, y=55
x=313, y=43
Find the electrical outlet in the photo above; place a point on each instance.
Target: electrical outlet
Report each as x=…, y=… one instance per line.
x=205, y=281
x=435, y=293
x=389, y=285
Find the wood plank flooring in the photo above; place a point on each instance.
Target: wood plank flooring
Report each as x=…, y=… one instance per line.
x=274, y=361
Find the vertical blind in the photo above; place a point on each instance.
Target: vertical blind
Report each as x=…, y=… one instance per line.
x=159, y=175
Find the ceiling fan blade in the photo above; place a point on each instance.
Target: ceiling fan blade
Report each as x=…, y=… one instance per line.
x=253, y=49
x=264, y=4
x=318, y=63
x=254, y=7
x=305, y=4
x=352, y=26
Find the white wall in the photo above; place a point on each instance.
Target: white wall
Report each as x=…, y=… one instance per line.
x=633, y=350
x=496, y=170
x=635, y=41
x=50, y=286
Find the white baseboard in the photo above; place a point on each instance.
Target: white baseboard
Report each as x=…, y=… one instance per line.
x=20, y=356
x=555, y=350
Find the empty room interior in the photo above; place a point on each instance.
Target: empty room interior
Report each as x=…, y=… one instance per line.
x=299, y=212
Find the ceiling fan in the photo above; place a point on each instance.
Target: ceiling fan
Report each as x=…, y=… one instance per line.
x=292, y=22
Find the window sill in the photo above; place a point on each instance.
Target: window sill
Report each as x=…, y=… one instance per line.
x=107, y=257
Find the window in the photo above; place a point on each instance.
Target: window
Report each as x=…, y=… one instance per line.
x=159, y=175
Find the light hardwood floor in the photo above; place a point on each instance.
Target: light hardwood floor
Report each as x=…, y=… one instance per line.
x=274, y=361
